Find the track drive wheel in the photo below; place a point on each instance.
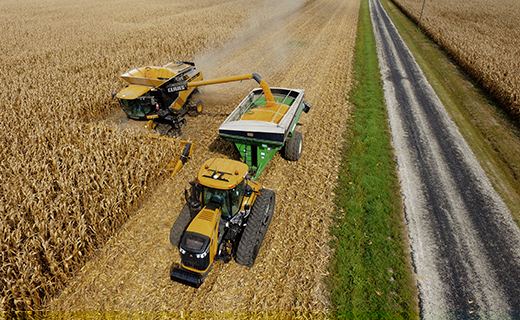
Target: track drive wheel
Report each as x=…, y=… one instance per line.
x=256, y=228
x=195, y=107
x=292, y=150
x=180, y=225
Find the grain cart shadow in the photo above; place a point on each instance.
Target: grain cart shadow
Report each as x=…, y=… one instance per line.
x=224, y=148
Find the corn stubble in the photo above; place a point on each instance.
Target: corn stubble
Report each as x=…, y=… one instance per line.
x=66, y=187
x=483, y=36
x=81, y=184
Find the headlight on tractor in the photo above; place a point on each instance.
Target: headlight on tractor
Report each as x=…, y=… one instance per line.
x=194, y=251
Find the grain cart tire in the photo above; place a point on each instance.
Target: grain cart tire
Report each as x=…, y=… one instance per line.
x=195, y=107
x=292, y=150
x=256, y=228
x=180, y=225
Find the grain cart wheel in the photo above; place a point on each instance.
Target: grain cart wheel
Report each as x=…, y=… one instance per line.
x=180, y=225
x=256, y=228
x=195, y=107
x=292, y=150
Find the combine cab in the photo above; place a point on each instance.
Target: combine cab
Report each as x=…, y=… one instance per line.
x=153, y=94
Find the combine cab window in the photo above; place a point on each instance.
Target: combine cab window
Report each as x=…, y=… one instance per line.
x=139, y=107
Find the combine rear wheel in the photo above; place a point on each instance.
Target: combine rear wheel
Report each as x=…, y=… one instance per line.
x=292, y=150
x=256, y=228
x=195, y=107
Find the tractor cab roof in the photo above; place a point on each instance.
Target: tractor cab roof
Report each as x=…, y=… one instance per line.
x=223, y=174
x=141, y=80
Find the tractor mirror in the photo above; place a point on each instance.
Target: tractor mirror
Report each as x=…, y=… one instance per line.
x=186, y=195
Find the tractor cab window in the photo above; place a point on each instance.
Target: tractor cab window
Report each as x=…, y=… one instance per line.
x=229, y=200
x=219, y=197
x=236, y=195
x=139, y=107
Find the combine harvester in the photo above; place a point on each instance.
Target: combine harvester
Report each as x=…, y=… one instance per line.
x=152, y=94
x=227, y=213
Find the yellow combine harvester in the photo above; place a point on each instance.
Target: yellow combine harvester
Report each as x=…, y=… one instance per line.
x=226, y=215
x=164, y=95
x=152, y=94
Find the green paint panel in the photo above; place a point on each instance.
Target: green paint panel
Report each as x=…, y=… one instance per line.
x=256, y=154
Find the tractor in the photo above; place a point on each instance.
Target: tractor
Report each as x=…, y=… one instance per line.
x=226, y=216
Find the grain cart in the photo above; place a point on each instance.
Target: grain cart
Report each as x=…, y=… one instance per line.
x=152, y=94
x=226, y=215
x=263, y=124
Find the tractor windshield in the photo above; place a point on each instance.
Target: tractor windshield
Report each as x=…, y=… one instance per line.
x=139, y=107
x=230, y=200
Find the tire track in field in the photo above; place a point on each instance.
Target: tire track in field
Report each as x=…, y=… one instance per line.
x=308, y=47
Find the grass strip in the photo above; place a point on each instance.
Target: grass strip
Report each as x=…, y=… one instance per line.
x=371, y=272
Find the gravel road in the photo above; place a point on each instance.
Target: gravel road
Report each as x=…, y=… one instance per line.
x=465, y=244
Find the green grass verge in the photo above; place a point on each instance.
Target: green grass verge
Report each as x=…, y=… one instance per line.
x=371, y=272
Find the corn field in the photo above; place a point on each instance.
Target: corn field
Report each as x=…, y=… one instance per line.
x=65, y=187
x=483, y=36
x=85, y=210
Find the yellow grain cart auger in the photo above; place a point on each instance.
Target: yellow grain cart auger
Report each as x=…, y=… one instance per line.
x=226, y=216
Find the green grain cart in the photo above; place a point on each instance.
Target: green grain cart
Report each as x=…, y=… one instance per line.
x=260, y=128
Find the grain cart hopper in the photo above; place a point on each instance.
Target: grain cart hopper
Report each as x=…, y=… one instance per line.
x=264, y=123
x=151, y=94
x=226, y=215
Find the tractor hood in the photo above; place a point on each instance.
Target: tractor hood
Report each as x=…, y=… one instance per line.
x=204, y=222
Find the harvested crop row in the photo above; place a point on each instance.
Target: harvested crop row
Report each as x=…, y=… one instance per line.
x=303, y=45
x=482, y=36
x=66, y=188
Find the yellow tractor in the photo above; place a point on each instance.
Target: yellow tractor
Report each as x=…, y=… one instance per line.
x=152, y=94
x=226, y=216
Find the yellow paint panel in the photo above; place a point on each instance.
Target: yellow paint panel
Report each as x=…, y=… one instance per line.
x=133, y=91
x=223, y=174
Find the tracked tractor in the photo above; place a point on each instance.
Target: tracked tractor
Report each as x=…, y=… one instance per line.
x=152, y=94
x=226, y=217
